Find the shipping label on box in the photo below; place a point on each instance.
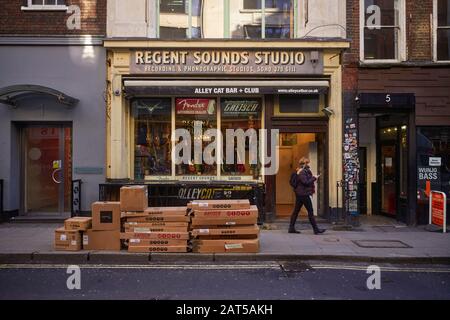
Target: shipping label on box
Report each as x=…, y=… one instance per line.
x=68, y=240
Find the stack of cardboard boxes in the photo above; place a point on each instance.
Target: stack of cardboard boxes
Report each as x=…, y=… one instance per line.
x=105, y=232
x=68, y=238
x=152, y=229
x=224, y=226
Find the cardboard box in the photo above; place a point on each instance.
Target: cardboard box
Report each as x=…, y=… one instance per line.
x=106, y=216
x=78, y=223
x=235, y=214
x=157, y=243
x=155, y=229
x=133, y=198
x=225, y=246
x=145, y=249
x=101, y=240
x=250, y=231
x=68, y=240
x=157, y=224
x=160, y=218
x=156, y=235
x=167, y=210
x=200, y=221
x=219, y=204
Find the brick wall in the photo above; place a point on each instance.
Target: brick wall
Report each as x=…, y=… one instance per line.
x=418, y=30
x=14, y=21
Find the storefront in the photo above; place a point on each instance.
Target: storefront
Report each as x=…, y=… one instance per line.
x=168, y=100
x=404, y=136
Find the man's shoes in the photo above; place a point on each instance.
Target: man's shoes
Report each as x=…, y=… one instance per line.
x=319, y=231
x=293, y=231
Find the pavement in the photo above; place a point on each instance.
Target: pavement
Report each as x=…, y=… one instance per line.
x=376, y=240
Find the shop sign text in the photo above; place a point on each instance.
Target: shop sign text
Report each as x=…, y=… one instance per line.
x=214, y=61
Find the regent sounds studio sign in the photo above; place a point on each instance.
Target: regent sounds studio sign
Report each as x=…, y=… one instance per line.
x=179, y=61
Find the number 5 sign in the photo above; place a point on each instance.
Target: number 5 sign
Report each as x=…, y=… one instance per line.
x=438, y=209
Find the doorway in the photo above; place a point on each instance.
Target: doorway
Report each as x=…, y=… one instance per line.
x=46, y=169
x=292, y=147
x=393, y=167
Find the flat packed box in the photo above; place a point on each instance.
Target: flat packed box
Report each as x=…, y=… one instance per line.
x=156, y=235
x=153, y=242
x=133, y=198
x=219, y=204
x=78, y=223
x=252, y=231
x=233, y=213
x=225, y=246
x=155, y=229
x=200, y=221
x=101, y=240
x=160, y=218
x=144, y=249
x=68, y=240
x=157, y=224
x=166, y=210
x=106, y=216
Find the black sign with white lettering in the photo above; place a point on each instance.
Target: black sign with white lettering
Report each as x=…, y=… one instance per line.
x=386, y=100
x=223, y=91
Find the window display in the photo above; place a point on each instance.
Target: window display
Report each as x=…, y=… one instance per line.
x=152, y=128
x=245, y=114
x=157, y=119
x=200, y=113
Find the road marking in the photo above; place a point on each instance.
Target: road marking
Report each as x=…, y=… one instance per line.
x=158, y=266
x=385, y=269
x=271, y=266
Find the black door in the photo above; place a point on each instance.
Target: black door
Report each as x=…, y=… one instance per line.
x=362, y=186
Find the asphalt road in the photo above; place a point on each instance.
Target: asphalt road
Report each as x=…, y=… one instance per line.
x=237, y=281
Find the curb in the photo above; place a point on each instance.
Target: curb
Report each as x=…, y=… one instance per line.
x=109, y=258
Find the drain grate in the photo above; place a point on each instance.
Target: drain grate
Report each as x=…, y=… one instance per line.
x=381, y=244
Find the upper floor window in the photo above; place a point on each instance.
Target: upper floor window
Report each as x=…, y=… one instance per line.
x=238, y=19
x=442, y=30
x=45, y=5
x=382, y=24
x=256, y=19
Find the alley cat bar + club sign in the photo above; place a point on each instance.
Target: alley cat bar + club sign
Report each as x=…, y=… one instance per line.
x=225, y=63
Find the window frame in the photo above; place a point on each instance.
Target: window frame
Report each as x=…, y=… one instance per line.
x=401, y=43
x=45, y=7
x=226, y=19
x=186, y=178
x=435, y=32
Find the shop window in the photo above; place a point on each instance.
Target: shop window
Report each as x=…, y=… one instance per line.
x=245, y=114
x=382, y=30
x=299, y=105
x=196, y=114
x=152, y=130
x=433, y=166
x=258, y=19
x=442, y=30
x=45, y=5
